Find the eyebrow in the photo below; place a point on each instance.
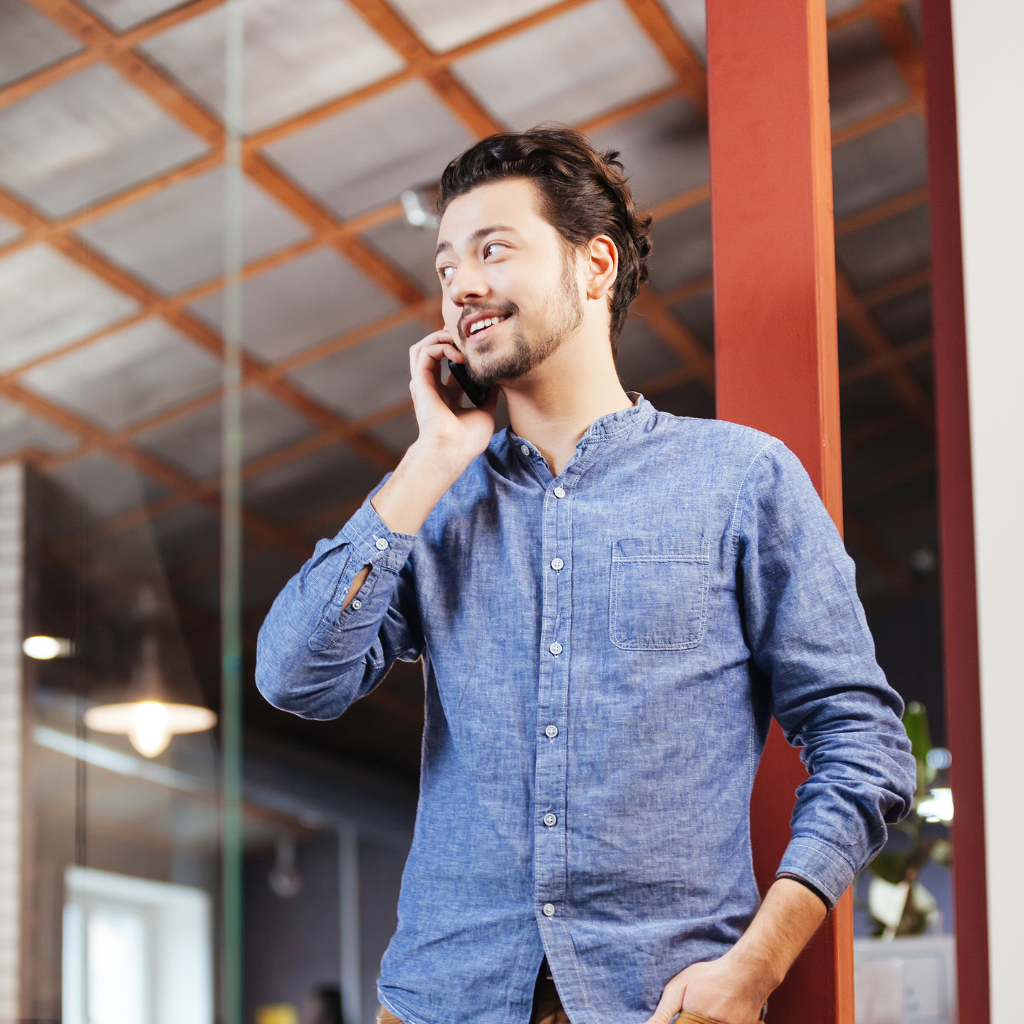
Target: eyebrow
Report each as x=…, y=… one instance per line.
x=475, y=237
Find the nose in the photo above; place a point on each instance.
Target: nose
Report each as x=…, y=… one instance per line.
x=467, y=283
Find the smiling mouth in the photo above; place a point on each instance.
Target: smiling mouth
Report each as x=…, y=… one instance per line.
x=482, y=326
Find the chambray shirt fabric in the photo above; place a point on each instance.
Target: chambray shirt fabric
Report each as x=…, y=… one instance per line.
x=603, y=653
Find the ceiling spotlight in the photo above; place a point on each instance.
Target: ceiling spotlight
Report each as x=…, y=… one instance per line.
x=924, y=560
x=418, y=210
x=46, y=648
x=151, y=719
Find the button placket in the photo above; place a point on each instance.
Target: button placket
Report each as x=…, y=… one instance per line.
x=551, y=762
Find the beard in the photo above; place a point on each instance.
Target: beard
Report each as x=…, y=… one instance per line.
x=527, y=352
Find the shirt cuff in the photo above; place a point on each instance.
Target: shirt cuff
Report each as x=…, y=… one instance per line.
x=373, y=543
x=820, y=865
x=807, y=885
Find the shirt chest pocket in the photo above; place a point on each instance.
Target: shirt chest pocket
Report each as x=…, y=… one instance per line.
x=659, y=595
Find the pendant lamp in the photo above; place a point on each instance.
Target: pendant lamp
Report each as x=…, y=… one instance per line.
x=151, y=718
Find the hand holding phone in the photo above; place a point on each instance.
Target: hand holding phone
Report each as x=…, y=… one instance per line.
x=477, y=395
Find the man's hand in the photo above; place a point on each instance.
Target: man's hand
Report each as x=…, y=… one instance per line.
x=455, y=435
x=732, y=989
x=722, y=990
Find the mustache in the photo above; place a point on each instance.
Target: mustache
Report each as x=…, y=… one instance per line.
x=500, y=308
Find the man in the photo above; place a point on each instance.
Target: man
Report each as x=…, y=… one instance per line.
x=610, y=603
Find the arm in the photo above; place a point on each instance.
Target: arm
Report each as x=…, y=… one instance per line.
x=319, y=650
x=733, y=988
x=810, y=644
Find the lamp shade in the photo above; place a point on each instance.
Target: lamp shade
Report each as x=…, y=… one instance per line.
x=151, y=718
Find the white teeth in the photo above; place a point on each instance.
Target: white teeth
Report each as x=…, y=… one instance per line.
x=482, y=324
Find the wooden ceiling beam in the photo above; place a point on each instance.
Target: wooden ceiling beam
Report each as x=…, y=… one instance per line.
x=99, y=45
x=902, y=44
x=901, y=286
x=156, y=469
x=882, y=211
x=872, y=338
x=652, y=309
x=875, y=365
x=675, y=48
x=448, y=89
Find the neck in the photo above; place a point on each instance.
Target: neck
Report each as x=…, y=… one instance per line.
x=553, y=406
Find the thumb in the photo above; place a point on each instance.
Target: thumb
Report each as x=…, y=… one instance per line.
x=670, y=1004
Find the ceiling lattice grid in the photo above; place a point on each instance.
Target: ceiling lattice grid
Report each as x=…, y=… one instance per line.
x=111, y=154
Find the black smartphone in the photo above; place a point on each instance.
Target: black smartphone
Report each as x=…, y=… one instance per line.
x=477, y=395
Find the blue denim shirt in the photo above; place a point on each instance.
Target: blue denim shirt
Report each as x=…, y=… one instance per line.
x=603, y=652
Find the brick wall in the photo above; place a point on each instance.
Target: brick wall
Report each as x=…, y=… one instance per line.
x=12, y=498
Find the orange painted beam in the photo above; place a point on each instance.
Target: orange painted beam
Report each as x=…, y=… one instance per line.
x=776, y=348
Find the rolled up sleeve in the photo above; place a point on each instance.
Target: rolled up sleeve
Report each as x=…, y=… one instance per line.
x=315, y=657
x=809, y=638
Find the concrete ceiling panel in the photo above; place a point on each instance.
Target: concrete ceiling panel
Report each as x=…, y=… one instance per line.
x=87, y=137
x=887, y=250
x=297, y=56
x=300, y=303
x=569, y=69
x=193, y=441
x=29, y=41
x=445, y=24
x=863, y=78
x=689, y=18
x=128, y=376
x=681, y=248
x=698, y=313
x=8, y=231
x=882, y=165
x=123, y=14
x=185, y=534
x=175, y=240
x=365, y=377
x=20, y=429
x=49, y=301
x=642, y=355
x=410, y=248
x=397, y=433
x=371, y=153
x=311, y=485
x=105, y=485
x=906, y=318
x=664, y=150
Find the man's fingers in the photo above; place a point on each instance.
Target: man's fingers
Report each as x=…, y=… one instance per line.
x=671, y=1002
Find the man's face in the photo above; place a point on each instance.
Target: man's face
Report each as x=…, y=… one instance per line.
x=510, y=289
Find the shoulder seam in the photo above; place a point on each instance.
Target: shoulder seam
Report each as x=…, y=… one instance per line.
x=743, y=483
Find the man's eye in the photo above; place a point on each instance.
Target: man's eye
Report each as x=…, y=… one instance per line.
x=491, y=247
x=445, y=272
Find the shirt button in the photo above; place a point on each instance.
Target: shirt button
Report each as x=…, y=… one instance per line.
x=357, y=604
x=555, y=648
x=550, y=819
x=382, y=544
x=559, y=492
x=549, y=909
x=525, y=449
x=556, y=564
x=551, y=731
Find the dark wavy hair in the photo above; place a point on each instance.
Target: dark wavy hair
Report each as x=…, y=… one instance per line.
x=583, y=194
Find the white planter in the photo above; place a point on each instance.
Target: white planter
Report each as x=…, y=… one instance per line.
x=910, y=980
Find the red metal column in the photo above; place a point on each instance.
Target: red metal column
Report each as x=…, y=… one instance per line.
x=776, y=349
x=956, y=521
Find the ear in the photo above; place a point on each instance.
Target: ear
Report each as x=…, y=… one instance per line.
x=602, y=266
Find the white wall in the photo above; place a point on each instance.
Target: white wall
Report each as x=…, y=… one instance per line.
x=988, y=45
x=12, y=498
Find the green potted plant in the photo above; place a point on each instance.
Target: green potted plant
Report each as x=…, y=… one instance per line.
x=896, y=900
